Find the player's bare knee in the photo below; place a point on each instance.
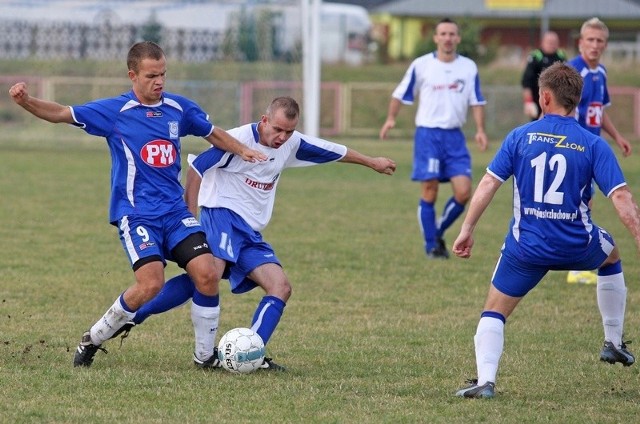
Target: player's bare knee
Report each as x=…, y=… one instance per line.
x=280, y=289
x=462, y=197
x=205, y=279
x=285, y=290
x=148, y=289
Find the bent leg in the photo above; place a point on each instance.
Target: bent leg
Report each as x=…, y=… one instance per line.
x=149, y=280
x=489, y=337
x=454, y=207
x=277, y=289
x=205, y=308
x=612, y=297
x=176, y=292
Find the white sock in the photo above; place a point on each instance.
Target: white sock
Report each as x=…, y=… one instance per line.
x=205, y=326
x=111, y=321
x=489, y=342
x=612, y=299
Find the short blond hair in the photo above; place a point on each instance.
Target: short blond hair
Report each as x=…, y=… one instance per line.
x=595, y=23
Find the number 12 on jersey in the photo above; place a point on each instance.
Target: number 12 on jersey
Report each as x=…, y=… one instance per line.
x=557, y=163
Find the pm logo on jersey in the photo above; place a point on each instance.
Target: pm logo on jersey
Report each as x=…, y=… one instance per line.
x=158, y=153
x=594, y=115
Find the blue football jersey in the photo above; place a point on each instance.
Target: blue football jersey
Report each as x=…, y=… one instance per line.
x=145, y=148
x=595, y=96
x=553, y=161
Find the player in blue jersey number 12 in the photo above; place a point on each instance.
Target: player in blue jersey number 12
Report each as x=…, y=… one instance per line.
x=552, y=161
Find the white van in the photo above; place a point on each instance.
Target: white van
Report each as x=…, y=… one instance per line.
x=345, y=33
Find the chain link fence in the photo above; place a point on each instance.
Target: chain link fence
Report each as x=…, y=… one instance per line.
x=347, y=109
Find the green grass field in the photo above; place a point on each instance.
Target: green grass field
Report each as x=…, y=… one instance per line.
x=373, y=332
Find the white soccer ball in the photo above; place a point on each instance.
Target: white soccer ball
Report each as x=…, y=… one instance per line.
x=241, y=350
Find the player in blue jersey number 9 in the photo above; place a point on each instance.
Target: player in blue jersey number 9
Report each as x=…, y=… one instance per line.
x=143, y=128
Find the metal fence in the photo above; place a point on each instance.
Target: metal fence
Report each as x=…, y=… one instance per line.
x=347, y=109
x=64, y=40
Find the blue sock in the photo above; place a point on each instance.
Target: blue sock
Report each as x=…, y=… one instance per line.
x=427, y=221
x=611, y=269
x=204, y=300
x=267, y=316
x=124, y=304
x=174, y=293
x=452, y=210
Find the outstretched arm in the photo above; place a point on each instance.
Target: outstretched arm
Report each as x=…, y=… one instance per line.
x=43, y=109
x=479, y=202
x=224, y=141
x=628, y=212
x=378, y=164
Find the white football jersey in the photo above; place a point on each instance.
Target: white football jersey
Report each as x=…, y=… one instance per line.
x=249, y=189
x=445, y=90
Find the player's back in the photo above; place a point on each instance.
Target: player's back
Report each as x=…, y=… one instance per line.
x=553, y=162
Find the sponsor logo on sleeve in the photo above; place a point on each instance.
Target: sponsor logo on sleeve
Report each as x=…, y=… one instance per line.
x=190, y=222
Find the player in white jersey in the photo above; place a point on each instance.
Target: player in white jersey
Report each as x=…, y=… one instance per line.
x=143, y=129
x=236, y=201
x=446, y=84
x=553, y=162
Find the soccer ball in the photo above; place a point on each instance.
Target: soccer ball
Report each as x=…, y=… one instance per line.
x=241, y=350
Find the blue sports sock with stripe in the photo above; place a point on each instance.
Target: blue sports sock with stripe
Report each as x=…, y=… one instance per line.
x=452, y=210
x=267, y=316
x=175, y=292
x=427, y=221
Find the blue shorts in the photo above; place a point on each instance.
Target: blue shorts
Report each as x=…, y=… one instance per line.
x=146, y=236
x=232, y=239
x=440, y=154
x=515, y=277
